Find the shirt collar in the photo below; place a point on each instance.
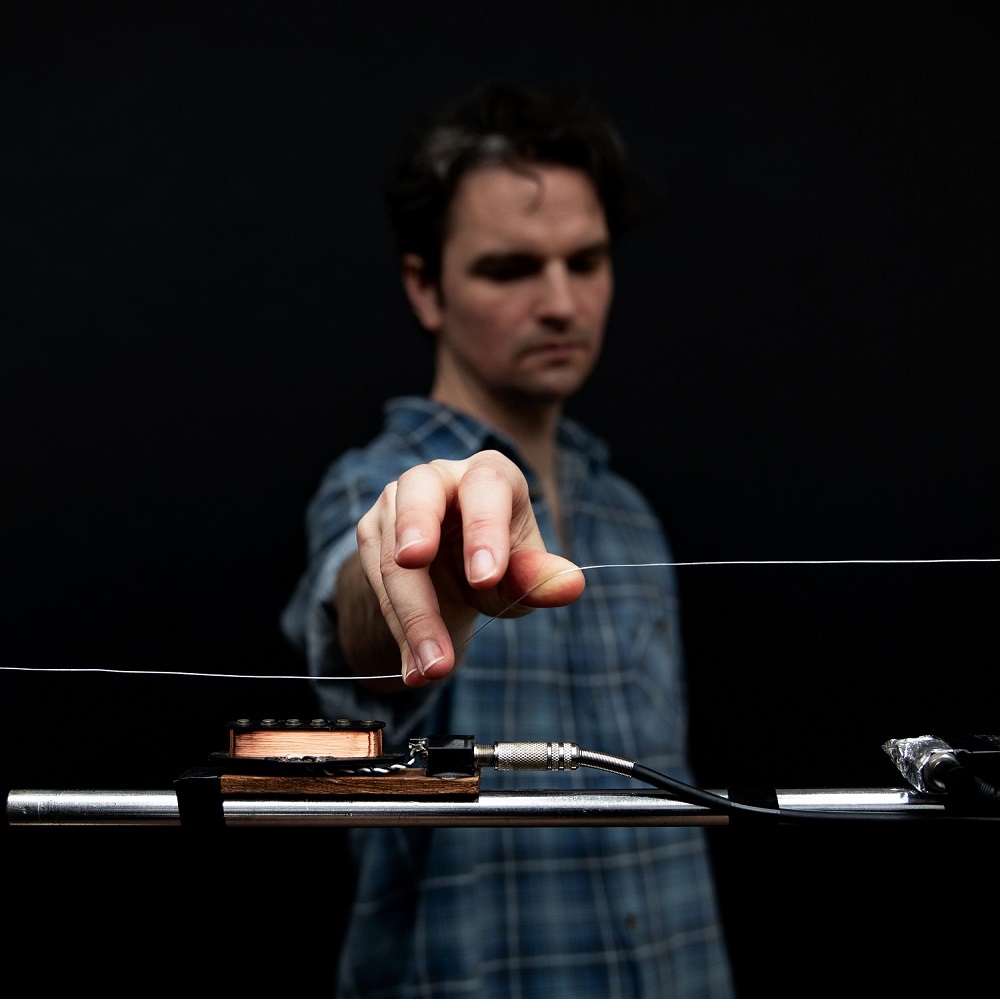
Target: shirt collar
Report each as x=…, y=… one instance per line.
x=422, y=417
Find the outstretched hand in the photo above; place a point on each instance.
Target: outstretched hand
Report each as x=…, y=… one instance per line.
x=450, y=540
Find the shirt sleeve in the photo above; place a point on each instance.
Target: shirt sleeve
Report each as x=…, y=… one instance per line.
x=306, y=622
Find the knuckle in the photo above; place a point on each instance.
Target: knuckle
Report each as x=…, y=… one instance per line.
x=418, y=620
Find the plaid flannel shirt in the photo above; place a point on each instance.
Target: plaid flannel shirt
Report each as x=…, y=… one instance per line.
x=514, y=913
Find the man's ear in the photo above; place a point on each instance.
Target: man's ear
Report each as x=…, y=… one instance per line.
x=424, y=295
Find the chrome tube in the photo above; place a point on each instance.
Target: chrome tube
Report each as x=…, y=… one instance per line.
x=491, y=808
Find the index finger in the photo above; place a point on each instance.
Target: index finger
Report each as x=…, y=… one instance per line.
x=483, y=500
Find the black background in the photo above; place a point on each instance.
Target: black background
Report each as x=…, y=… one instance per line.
x=201, y=307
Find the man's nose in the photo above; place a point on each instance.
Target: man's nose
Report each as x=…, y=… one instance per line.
x=556, y=299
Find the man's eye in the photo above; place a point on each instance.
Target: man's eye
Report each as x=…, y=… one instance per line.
x=585, y=263
x=509, y=269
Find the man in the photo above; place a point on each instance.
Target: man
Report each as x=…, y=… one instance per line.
x=506, y=206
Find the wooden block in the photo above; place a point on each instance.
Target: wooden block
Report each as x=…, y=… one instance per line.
x=413, y=783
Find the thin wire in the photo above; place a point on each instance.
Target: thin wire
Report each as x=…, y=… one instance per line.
x=490, y=620
x=653, y=565
x=166, y=672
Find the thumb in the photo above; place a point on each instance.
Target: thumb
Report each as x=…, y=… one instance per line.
x=540, y=579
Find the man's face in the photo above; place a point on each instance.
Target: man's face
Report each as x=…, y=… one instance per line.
x=526, y=284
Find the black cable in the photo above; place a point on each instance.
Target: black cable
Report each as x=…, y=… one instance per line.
x=720, y=803
x=569, y=756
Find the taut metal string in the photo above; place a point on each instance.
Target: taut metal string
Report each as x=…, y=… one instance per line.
x=490, y=620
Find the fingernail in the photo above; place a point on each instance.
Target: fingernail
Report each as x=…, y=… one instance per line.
x=428, y=653
x=409, y=668
x=407, y=539
x=482, y=565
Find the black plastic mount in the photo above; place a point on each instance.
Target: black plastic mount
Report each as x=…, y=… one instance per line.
x=450, y=755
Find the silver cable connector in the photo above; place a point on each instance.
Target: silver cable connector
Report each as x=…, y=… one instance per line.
x=529, y=755
x=935, y=771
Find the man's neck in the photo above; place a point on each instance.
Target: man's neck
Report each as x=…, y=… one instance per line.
x=530, y=423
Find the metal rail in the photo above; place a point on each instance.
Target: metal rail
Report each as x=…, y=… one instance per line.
x=492, y=808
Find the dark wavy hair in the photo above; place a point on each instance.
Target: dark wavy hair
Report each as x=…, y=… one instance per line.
x=512, y=125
